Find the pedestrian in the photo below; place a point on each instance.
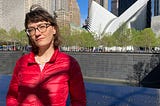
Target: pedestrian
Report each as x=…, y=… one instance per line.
x=45, y=76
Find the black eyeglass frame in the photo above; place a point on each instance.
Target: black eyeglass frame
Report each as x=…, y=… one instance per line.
x=41, y=28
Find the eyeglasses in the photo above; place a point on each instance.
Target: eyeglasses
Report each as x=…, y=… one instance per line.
x=41, y=28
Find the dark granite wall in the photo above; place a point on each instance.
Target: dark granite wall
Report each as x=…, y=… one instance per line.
x=8, y=60
x=121, y=66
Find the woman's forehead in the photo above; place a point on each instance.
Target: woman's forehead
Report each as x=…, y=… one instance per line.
x=36, y=23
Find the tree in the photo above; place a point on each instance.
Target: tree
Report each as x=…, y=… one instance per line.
x=145, y=38
x=158, y=41
x=64, y=36
x=23, y=38
x=149, y=39
x=141, y=69
x=86, y=39
x=122, y=37
x=136, y=38
x=107, y=41
x=4, y=37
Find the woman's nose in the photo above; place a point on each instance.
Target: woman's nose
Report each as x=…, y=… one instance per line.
x=37, y=32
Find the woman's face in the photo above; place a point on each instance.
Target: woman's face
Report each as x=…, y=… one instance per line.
x=41, y=33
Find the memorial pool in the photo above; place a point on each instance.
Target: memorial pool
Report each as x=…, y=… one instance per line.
x=105, y=94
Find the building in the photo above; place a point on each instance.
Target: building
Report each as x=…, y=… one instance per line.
x=12, y=12
x=101, y=21
x=156, y=7
x=114, y=7
x=74, y=13
x=67, y=11
x=119, y=6
x=124, y=5
x=60, y=4
x=47, y=4
x=103, y=3
x=61, y=8
x=147, y=12
x=155, y=25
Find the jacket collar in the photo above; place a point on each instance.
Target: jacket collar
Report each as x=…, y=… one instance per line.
x=31, y=58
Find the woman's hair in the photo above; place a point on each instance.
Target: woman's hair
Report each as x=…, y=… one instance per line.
x=38, y=14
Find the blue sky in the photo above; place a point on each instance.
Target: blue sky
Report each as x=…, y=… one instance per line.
x=83, y=5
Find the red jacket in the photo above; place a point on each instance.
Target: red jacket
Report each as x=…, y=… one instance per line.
x=60, y=76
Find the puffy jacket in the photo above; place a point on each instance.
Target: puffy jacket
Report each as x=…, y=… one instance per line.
x=60, y=77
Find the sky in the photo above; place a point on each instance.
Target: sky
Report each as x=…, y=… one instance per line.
x=83, y=5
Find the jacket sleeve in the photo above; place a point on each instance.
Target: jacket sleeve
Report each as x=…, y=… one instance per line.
x=12, y=94
x=76, y=86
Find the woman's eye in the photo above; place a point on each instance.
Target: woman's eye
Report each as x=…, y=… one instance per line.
x=42, y=26
x=30, y=30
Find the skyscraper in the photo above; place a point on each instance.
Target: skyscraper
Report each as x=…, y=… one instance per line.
x=47, y=4
x=114, y=7
x=156, y=7
x=74, y=12
x=67, y=12
x=103, y=3
x=12, y=12
x=124, y=5
x=60, y=4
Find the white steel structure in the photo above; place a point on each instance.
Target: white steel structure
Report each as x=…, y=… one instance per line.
x=102, y=21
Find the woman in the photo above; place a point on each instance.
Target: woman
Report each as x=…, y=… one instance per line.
x=45, y=76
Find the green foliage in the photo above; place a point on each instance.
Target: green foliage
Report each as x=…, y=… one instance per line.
x=23, y=39
x=86, y=39
x=122, y=37
x=158, y=41
x=13, y=35
x=107, y=40
x=78, y=38
x=148, y=37
x=145, y=38
x=3, y=35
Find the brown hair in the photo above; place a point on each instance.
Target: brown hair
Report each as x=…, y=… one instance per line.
x=37, y=14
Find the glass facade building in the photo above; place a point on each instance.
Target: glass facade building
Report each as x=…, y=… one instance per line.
x=156, y=7
x=125, y=4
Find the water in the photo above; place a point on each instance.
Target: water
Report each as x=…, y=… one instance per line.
x=99, y=94
x=4, y=82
